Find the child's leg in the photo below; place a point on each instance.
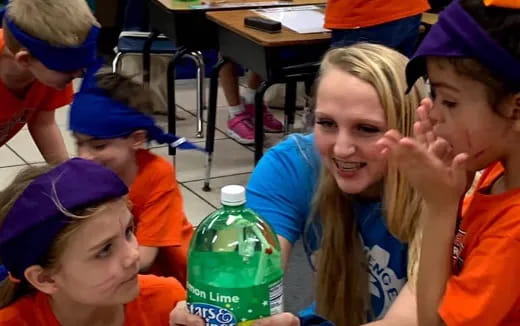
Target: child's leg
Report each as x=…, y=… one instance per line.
x=271, y=124
x=240, y=127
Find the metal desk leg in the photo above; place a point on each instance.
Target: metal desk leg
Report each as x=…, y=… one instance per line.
x=290, y=105
x=259, y=119
x=212, y=120
x=197, y=57
x=146, y=56
x=170, y=82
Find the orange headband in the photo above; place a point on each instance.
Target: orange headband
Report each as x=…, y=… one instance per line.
x=512, y=4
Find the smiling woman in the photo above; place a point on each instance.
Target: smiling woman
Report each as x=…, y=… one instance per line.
x=67, y=240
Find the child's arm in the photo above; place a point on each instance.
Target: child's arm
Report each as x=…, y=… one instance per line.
x=434, y=266
x=47, y=137
x=403, y=311
x=146, y=257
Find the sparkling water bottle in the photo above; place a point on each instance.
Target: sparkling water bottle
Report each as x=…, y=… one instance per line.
x=234, y=265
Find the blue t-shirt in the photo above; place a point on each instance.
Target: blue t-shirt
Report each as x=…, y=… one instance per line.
x=281, y=190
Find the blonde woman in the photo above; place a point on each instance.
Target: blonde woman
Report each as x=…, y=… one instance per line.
x=363, y=214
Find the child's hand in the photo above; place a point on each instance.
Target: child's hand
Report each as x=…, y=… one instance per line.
x=428, y=164
x=180, y=316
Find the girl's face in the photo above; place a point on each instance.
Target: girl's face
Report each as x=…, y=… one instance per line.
x=464, y=117
x=349, y=122
x=100, y=263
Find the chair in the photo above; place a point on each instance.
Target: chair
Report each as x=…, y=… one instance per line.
x=134, y=38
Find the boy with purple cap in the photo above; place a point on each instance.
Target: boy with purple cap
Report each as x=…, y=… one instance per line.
x=110, y=121
x=43, y=46
x=67, y=240
x=471, y=248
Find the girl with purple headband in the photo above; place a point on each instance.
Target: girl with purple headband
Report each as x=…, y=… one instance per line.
x=471, y=247
x=67, y=240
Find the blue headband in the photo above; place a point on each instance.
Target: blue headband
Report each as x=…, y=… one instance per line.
x=95, y=113
x=457, y=34
x=59, y=58
x=31, y=226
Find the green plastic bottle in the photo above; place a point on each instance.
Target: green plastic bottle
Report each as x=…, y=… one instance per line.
x=234, y=265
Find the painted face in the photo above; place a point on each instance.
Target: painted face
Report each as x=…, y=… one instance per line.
x=349, y=121
x=464, y=116
x=100, y=263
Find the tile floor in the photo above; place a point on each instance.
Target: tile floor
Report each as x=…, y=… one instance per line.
x=233, y=162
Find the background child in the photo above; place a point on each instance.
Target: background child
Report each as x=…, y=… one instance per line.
x=469, y=266
x=43, y=46
x=67, y=240
x=116, y=141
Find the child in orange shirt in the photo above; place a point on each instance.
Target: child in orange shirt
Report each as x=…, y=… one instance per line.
x=67, y=240
x=43, y=46
x=470, y=257
x=162, y=229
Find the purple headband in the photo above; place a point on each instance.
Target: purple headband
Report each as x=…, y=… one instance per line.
x=33, y=222
x=457, y=34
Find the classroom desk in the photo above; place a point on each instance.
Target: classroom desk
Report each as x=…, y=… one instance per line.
x=185, y=23
x=285, y=57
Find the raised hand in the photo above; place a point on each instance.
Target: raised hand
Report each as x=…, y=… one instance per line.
x=428, y=165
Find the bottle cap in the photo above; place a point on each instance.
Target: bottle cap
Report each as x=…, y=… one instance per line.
x=233, y=195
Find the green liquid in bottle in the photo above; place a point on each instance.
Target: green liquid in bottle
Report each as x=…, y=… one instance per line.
x=234, y=265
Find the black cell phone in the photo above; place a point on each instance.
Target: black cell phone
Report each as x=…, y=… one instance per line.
x=263, y=24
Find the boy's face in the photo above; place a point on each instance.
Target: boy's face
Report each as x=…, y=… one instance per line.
x=464, y=117
x=101, y=260
x=52, y=78
x=116, y=153
x=48, y=77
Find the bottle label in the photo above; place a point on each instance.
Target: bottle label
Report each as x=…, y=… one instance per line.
x=235, y=306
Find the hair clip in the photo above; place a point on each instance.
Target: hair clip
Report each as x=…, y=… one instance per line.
x=511, y=4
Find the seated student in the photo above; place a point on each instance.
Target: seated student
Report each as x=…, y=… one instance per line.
x=116, y=140
x=366, y=214
x=471, y=249
x=67, y=240
x=43, y=46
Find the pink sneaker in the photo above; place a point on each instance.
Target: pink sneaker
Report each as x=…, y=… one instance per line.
x=271, y=124
x=241, y=128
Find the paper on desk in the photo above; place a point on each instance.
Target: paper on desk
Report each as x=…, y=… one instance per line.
x=303, y=20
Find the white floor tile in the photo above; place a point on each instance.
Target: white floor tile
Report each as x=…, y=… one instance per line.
x=195, y=208
x=7, y=175
x=62, y=116
x=8, y=157
x=185, y=94
x=24, y=146
x=229, y=158
x=213, y=196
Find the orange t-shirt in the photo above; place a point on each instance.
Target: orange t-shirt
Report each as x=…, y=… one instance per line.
x=15, y=112
x=157, y=298
x=159, y=214
x=350, y=14
x=483, y=289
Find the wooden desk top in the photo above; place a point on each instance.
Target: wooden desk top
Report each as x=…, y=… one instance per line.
x=234, y=21
x=178, y=5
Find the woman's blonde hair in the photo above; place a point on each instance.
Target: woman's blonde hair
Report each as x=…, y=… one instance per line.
x=10, y=290
x=342, y=267
x=58, y=22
